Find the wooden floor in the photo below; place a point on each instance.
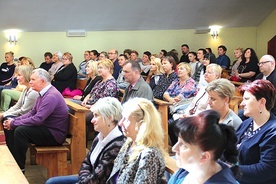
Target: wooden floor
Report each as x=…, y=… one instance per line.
x=35, y=174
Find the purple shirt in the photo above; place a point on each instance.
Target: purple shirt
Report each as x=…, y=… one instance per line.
x=51, y=111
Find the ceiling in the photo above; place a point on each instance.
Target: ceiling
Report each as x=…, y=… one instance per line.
x=103, y=15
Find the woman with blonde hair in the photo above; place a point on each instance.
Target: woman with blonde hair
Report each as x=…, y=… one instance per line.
x=157, y=79
x=140, y=160
x=7, y=68
x=28, y=61
x=25, y=103
x=92, y=73
x=182, y=88
x=220, y=92
x=106, y=86
x=238, y=55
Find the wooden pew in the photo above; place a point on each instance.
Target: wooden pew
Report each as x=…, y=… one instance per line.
x=163, y=110
x=54, y=158
x=10, y=171
x=81, y=83
x=170, y=164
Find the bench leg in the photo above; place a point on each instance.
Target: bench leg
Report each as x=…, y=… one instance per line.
x=56, y=163
x=32, y=155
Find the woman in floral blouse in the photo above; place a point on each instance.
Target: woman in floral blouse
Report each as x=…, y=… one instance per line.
x=103, y=88
x=183, y=87
x=140, y=160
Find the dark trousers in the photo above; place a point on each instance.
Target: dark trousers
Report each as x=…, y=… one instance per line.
x=172, y=132
x=18, y=141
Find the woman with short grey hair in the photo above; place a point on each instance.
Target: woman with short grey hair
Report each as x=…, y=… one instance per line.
x=98, y=163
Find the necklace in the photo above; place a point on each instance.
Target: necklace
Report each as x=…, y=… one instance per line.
x=225, y=115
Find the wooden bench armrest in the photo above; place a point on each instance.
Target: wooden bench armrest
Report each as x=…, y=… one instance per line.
x=161, y=102
x=170, y=164
x=75, y=107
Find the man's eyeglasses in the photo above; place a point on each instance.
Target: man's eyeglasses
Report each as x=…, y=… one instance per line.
x=262, y=63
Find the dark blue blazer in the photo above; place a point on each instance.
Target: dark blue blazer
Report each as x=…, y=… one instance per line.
x=257, y=155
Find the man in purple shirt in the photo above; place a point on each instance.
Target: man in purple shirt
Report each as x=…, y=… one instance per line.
x=45, y=124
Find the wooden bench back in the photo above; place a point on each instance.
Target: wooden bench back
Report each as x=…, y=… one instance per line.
x=73, y=132
x=81, y=83
x=77, y=130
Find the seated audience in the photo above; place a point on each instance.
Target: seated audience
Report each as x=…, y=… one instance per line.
x=13, y=94
x=28, y=61
x=202, y=141
x=92, y=73
x=94, y=55
x=145, y=64
x=66, y=75
x=236, y=63
x=200, y=101
x=220, y=92
x=113, y=56
x=222, y=59
x=121, y=81
x=13, y=83
x=46, y=65
x=57, y=63
x=195, y=64
x=173, y=53
x=134, y=56
x=127, y=52
x=7, y=68
x=82, y=65
x=162, y=54
x=183, y=87
x=211, y=54
x=137, y=86
x=157, y=79
x=99, y=161
x=202, y=69
x=256, y=135
x=105, y=87
x=27, y=98
x=103, y=55
x=140, y=160
x=248, y=69
x=169, y=66
x=268, y=72
x=45, y=124
x=185, y=51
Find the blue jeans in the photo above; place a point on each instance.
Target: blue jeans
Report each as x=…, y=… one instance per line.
x=70, y=179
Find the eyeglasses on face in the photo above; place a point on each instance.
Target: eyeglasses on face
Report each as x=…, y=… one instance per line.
x=262, y=63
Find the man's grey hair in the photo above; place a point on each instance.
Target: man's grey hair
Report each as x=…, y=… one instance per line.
x=42, y=74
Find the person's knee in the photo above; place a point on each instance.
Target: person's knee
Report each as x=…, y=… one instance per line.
x=19, y=131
